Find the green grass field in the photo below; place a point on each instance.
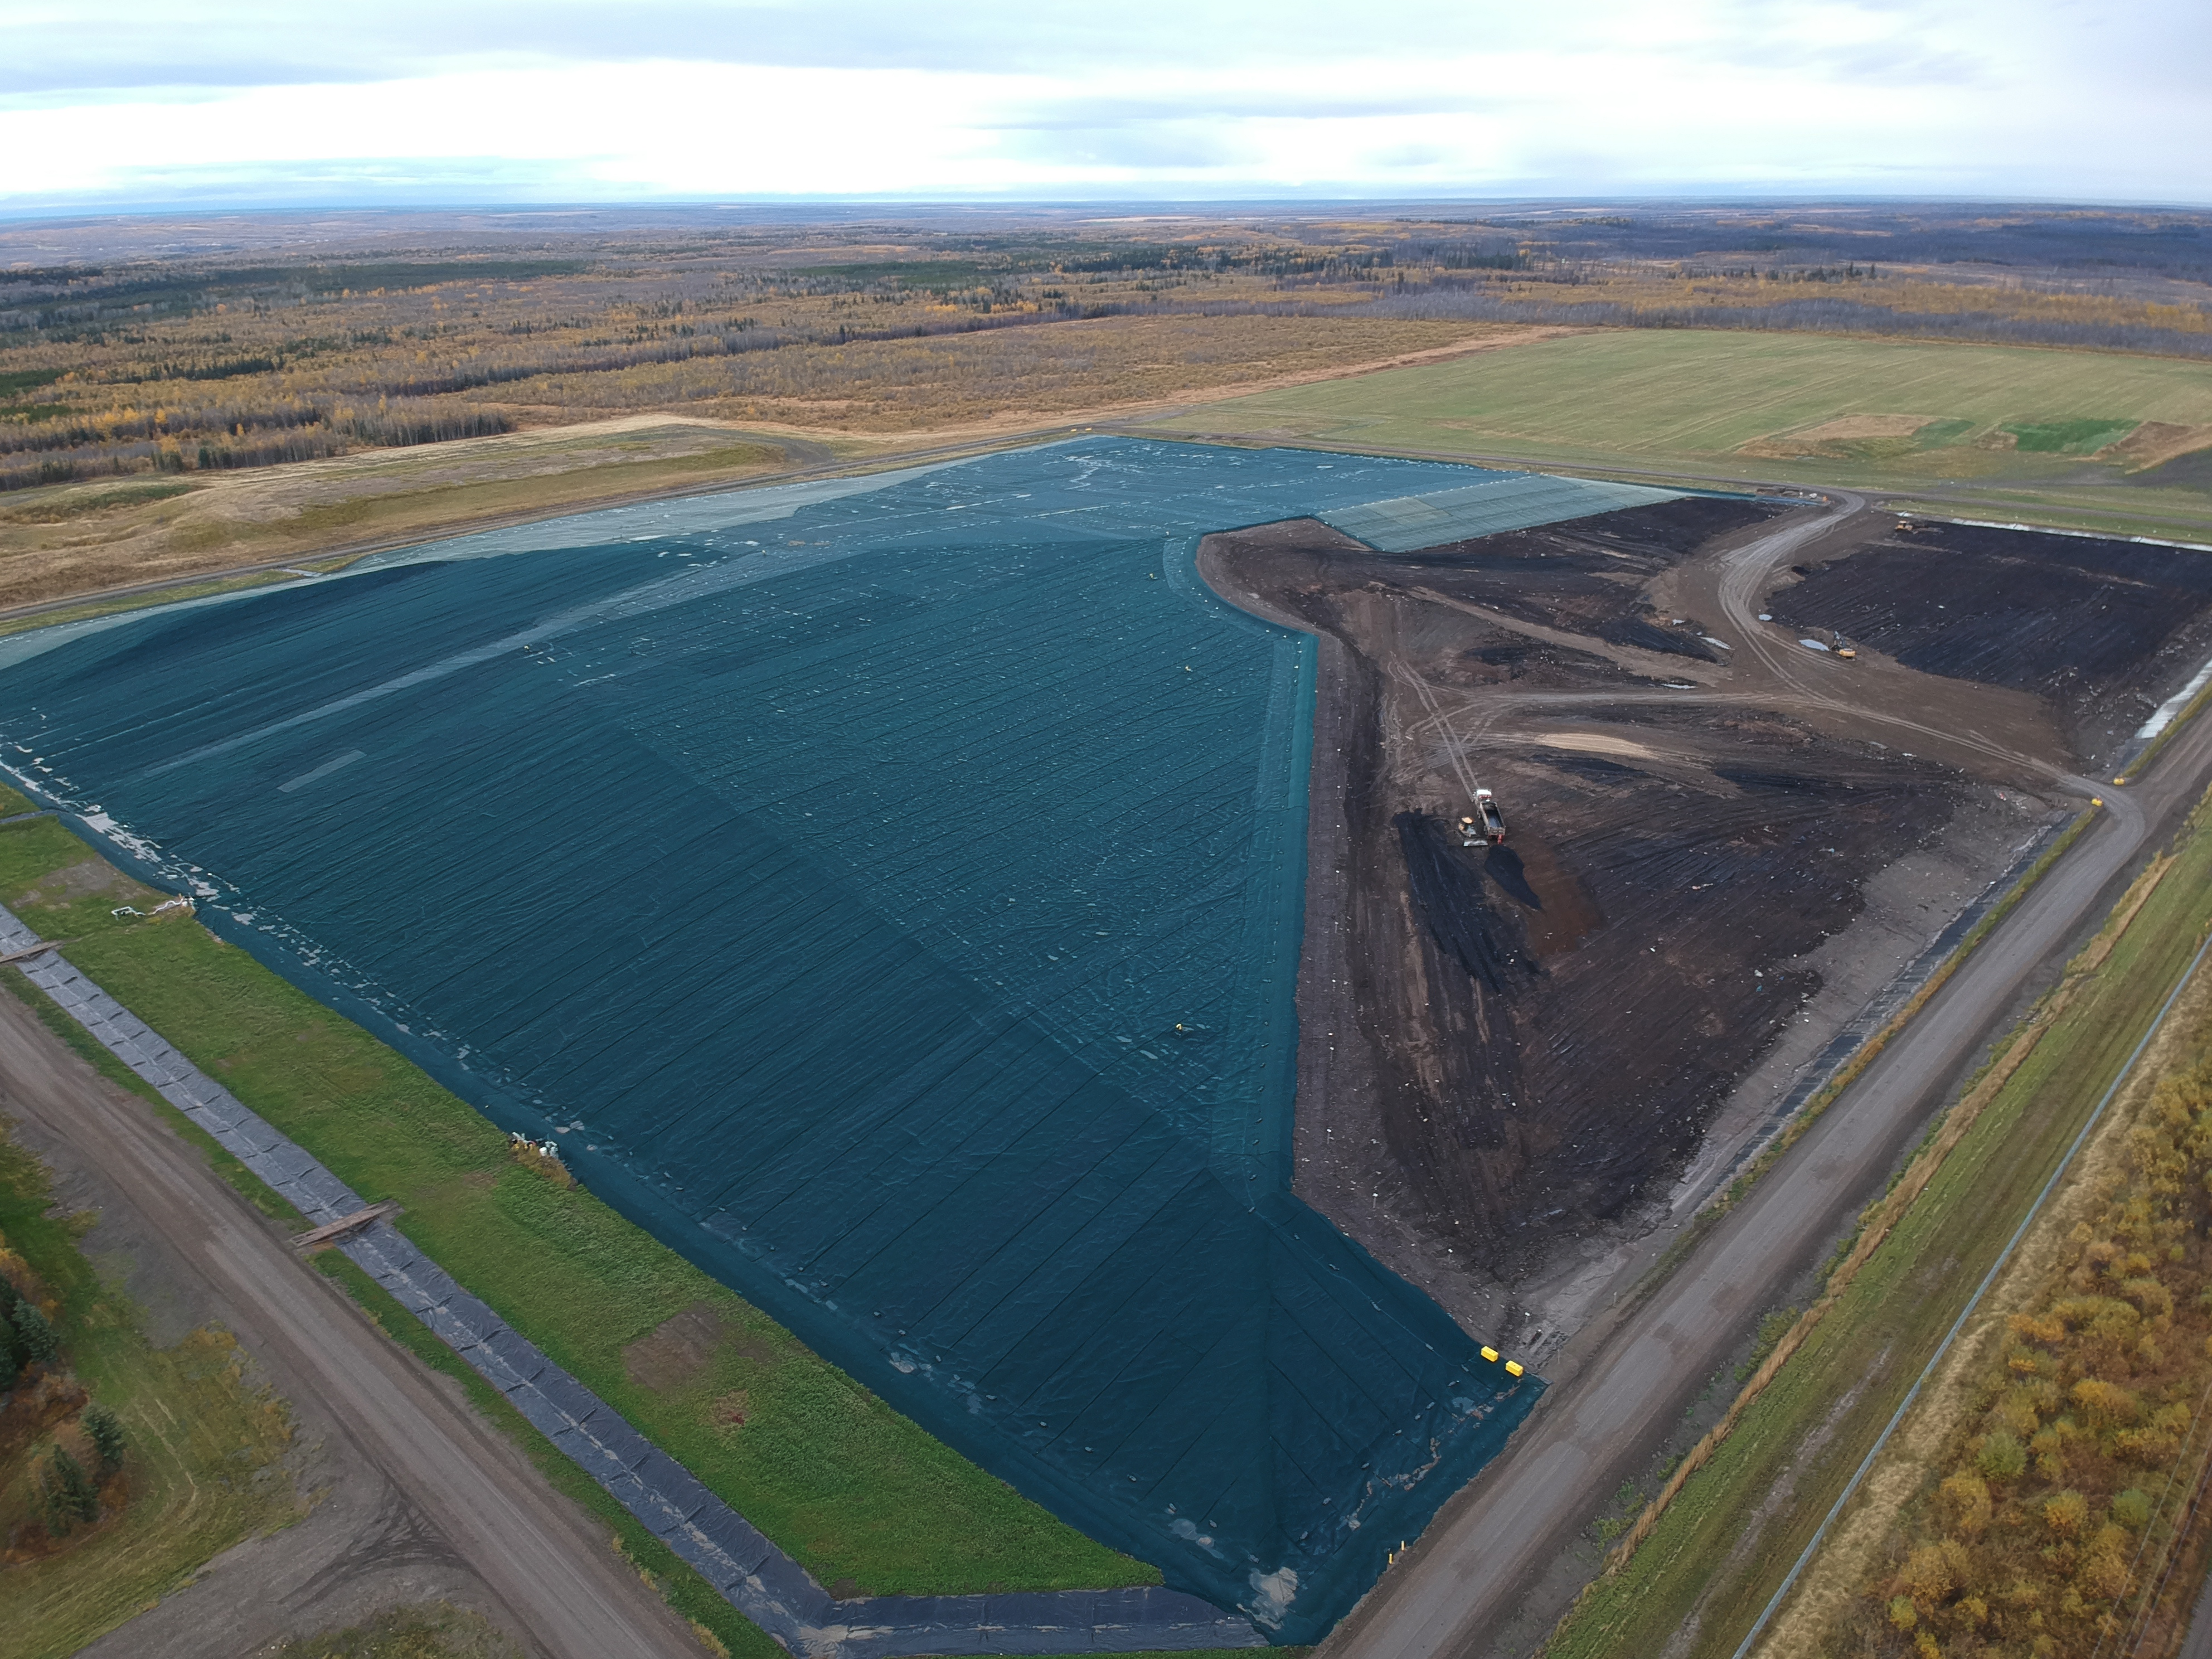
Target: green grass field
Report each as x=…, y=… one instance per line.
x=2005, y=426
x=855, y=1491
x=1723, y=1547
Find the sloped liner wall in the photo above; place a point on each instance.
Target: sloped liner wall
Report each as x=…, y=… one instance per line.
x=757, y=1577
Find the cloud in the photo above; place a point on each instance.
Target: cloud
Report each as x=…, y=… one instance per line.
x=689, y=99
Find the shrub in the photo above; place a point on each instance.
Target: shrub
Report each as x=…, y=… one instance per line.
x=2104, y=1573
x=1902, y=1613
x=2049, y=1449
x=1928, y=1575
x=1967, y=1499
x=2156, y=1301
x=2152, y=1448
x=2106, y=1406
x=2002, y=1457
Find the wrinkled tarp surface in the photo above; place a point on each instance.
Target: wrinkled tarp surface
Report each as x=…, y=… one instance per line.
x=891, y=891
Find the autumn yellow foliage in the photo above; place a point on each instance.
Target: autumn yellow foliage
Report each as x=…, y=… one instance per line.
x=2064, y=1494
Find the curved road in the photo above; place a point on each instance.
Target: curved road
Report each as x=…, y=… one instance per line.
x=549, y=1566
x=1465, y=1578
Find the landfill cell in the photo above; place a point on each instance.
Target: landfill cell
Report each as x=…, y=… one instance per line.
x=1586, y=575
x=1545, y=1028
x=890, y=893
x=2101, y=628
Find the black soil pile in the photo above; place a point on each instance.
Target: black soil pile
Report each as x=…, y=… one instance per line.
x=2104, y=630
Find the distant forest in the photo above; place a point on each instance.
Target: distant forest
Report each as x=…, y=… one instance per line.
x=160, y=366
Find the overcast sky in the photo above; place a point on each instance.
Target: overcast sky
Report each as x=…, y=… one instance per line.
x=105, y=103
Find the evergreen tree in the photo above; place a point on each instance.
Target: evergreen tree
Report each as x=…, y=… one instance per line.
x=106, y=1432
x=39, y=1343
x=70, y=1495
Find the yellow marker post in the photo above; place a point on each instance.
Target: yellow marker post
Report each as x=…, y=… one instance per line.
x=1513, y=1368
x=1490, y=1354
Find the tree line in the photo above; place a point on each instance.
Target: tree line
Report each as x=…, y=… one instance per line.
x=70, y=1495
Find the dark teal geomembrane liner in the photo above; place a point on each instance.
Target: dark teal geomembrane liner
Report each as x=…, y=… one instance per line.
x=891, y=893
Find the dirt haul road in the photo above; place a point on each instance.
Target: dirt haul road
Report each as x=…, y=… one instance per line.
x=1450, y=1593
x=554, y=1577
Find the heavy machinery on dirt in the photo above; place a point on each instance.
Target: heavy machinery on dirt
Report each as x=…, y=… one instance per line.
x=1486, y=823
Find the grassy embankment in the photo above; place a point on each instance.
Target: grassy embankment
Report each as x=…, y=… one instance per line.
x=87, y=537
x=858, y=1493
x=1971, y=431
x=1716, y=1555
x=203, y=1464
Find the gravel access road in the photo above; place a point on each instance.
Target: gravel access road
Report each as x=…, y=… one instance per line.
x=1453, y=1591
x=549, y=1571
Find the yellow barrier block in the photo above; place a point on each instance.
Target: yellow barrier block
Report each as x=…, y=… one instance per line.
x=1490, y=1354
x=1513, y=1368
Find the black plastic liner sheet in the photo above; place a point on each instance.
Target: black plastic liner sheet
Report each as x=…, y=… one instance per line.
x=893, y=902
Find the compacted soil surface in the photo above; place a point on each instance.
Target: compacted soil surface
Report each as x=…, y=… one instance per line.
x=1512, y=1055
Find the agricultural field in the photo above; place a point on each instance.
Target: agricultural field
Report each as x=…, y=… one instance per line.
x=2064, y=437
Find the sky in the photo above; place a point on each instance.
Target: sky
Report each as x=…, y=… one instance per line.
x=117, y=103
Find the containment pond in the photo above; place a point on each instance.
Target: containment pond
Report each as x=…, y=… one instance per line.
x=888, y=892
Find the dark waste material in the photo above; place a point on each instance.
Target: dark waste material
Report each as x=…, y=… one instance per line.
x=1585, y=575
x=1448, y=892
x=890, y=895
x=1649, y=636
x=2095, y=625
x=1667, y=879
